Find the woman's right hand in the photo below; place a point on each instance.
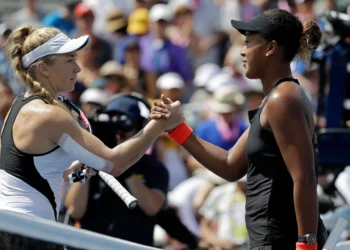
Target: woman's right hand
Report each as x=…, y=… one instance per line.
x=168, y=112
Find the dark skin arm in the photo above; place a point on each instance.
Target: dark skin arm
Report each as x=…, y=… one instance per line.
x=230, y=165
x=286, y=117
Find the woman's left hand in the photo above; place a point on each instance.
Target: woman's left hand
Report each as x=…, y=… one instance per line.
x=75, y=166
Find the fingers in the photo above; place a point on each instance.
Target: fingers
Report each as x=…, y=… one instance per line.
x=162, y=111
x=160, y=104
x=156, y=116
x=90, y=173
x=166, y=100
x=159, y=110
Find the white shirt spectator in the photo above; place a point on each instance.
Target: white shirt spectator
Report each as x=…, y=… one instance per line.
x=225, y=207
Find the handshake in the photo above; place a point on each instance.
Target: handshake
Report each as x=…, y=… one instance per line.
x=169, y=113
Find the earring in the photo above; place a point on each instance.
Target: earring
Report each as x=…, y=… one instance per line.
x=267, y=54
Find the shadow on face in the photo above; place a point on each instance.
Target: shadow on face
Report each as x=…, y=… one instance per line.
x=254, y=55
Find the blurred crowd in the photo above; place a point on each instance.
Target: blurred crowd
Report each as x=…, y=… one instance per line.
x=186, y=50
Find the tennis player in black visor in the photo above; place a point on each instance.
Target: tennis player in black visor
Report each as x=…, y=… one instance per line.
x=277, y=152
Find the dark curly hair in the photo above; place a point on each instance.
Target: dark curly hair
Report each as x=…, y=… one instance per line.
x=302, y=38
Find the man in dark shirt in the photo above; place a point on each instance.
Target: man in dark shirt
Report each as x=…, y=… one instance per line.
x=99, y=209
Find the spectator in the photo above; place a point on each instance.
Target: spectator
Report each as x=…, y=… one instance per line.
x=132, y=69
x=172, y=85
x=116, y=24
x=181, y=31
x=31, y=15
x=138, y=22
x=62, y=18
x=5, y=68
x=202, y=76
x=100, y=210
x=227, y=126
x=223, y=78
x=189, y=196
x=101, y=10
x=6, y=99
x=207, y=30
x=158, y=54
x=99, y=50
x=93, y=100
x=222, y=224
x=116, y=80
x=170, y=154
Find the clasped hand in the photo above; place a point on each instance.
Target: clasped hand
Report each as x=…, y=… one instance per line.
x=168, y=112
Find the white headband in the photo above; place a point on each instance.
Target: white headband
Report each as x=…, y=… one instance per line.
x=59, y=44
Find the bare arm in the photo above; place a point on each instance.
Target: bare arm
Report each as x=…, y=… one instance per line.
x=150, y=200
x=77, y=199
x=230, y=165
x=287, y=120
x=210, y=239
x=57, y=122
x=202, y=193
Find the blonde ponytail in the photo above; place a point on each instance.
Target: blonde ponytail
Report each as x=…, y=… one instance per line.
x=21, y=42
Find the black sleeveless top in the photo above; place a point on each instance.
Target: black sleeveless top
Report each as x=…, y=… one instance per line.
x=270, y=214
x=20, y=164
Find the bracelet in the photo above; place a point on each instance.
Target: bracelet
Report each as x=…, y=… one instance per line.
x=180, y=134
x=305, y=246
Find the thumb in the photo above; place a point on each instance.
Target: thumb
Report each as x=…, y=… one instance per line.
x=166, y=100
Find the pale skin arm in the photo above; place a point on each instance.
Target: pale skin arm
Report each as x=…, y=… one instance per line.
x=58, y=122
x=77, y=199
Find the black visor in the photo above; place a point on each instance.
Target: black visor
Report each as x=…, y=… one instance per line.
x=258, y=24
x=262, y=25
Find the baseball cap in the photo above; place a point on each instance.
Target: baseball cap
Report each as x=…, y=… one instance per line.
x=204, y=73
x=115, y=21
x=82, y=10
x=94, y=95
x=59, y=44
x=170, y=80
x=262, y=25
x=111, y=68
x=253, y=86
x=220, y=79
x=226, y=99
x=160, y=12
x=181, y=5
x=138, y=22
x=130, y=106
x=99, y=82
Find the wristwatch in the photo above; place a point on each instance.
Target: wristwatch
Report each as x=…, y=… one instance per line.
x=309, y=239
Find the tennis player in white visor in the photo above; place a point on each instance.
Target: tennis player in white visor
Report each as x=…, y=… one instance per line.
x=41, y=138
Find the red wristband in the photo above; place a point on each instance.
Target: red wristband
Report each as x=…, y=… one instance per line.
x=305, y=246
x=180, y=134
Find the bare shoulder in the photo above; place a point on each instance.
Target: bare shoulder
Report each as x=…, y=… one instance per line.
x=286, y=97
x=40, y=116
x=41, y=113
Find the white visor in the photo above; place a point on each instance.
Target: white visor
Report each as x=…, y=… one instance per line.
x=60, y=44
